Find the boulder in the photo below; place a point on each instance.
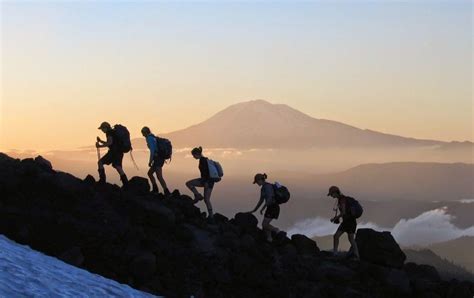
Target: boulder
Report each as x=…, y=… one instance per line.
x=89, y=180
x=304, y=245
x=73, y=256
x=398, y=280
x=426, y=272
x=44, y=163
x=379, y=248
x=143, y=266
x=138, y=185
x=246, y=221
x=219, y=218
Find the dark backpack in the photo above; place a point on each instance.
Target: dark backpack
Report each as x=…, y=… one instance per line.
x=164, y=148
x=122, y=137
x=282, y=194
x=354, y=207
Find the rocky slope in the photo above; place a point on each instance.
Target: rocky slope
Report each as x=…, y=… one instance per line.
x=165, y=246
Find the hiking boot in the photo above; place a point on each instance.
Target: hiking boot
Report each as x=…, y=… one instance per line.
x=198, y=197
x=124, y=180
x=167, y=192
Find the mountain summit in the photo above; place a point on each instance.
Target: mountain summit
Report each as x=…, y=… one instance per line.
x=260, y=124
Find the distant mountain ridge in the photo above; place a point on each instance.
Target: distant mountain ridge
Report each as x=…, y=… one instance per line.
x=422, y=181
x=260, y=124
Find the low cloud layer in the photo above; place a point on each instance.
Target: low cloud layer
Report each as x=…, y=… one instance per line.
x=430, y=227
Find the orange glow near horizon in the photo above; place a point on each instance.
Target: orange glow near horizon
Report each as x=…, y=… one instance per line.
x=160, y=65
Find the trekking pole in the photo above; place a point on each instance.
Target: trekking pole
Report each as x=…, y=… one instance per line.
x=98, y=150
x=133, y=160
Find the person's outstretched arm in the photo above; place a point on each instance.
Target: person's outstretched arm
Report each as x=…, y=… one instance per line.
x=260, y=202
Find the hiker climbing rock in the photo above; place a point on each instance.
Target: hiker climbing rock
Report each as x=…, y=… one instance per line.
x=350, y=210
x=271, y=196
x=160, y=151
x=211, y=172
x=118, y=142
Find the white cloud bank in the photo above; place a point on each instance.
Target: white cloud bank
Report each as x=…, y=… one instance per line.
x=430, y=227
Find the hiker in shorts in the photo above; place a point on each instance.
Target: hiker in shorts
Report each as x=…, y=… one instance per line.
x=113, y=157
x=271, y=208
x=155, y=162
x=349, y=222
x=205, y=181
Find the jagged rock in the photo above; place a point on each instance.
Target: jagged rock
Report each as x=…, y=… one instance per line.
x=44, y=163
x=73, y=256
x=398, y=280
x=143, y=266
x=248, y=222
x=422, y=271
x=219, y=218
x=138, y=185
x=304, y=245
x=379, y=248
x=166, y=247
x=89, y=180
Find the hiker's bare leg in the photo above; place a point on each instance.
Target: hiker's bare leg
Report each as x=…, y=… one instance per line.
x=354, y=247
x=336, y=237
x=102, y=177
x=159, y=174
x=207, y=199
x=268, y=228
x=192, y=184
x=123, y=177
x=119, y=170
x=152, y=179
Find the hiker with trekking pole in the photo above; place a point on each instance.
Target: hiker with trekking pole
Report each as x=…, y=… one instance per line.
x=350, y=209
x=118, y=142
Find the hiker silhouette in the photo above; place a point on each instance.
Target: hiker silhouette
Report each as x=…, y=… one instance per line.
x=117, y=144
x=160, y=151
x=350, y=210
x=211, y=172
x=271, y=207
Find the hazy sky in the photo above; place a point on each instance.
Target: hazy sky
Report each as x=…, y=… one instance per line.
x=402, y=68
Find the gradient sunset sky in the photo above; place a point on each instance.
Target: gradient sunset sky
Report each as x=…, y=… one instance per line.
x=397, y=67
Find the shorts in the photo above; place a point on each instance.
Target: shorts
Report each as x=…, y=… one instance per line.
x=112, y=157
x=348, y=225
x=273, y=211
x=200, y=182
x=157, y=163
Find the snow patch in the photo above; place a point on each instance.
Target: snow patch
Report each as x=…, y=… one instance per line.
x=28, y=273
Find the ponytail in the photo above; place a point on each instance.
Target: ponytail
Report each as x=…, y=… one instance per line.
x=197, y=150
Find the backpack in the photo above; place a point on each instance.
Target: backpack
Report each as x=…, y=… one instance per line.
x=122, y=137
x=355, y=208
x=215, y=170
x=164, y=148
x=282, y=194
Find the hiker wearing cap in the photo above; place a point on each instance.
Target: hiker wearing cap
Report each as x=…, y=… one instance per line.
x=156, y=161
x=270, y=206
x=114, y=156
x=349, y=222
x=205, y=181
